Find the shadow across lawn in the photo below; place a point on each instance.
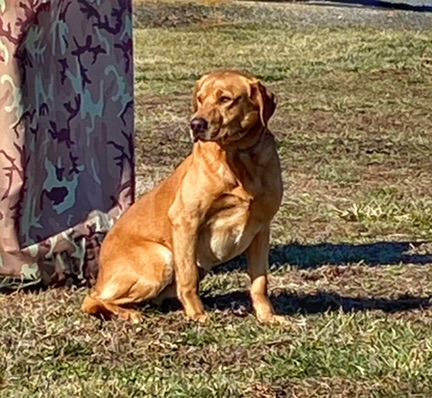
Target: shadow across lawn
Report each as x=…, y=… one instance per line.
x=386, y=5
x=289, y=304
x=314, y=256
x=239, y=303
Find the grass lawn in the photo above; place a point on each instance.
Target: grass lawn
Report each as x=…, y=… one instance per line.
x=352, y=252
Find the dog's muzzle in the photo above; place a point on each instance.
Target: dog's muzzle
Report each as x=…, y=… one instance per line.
x=199, y=127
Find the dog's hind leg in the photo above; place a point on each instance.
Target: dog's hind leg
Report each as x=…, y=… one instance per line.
x=137, y=275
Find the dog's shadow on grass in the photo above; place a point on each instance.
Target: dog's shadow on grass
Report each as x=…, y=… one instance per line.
x=239, y=303
x=314, y=256
x=308, y=304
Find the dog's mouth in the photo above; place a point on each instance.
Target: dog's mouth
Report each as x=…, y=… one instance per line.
x=219, y=137
x=205, y=131
x=201, y=137
x=204, y=128
x=207, y=134
x=204, y=138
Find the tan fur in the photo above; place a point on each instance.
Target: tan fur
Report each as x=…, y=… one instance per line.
x=216, y=205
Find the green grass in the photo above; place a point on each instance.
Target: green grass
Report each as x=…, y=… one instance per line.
x=351, y=257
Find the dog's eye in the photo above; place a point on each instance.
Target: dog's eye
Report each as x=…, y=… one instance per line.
x=224, y=99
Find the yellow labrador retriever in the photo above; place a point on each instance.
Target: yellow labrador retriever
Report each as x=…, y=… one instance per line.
x=217, y=204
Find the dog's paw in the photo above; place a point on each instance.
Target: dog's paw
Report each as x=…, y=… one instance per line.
x=201, y=318
x=131, y=316
x=273, y=319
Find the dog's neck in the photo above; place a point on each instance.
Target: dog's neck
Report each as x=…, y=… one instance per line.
x=250, y=142
x=253, y=143
x=253, y=150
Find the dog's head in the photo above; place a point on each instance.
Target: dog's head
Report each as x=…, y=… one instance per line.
x=228, y=105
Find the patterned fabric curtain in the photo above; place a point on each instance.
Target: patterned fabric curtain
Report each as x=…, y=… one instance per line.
x=66, y=135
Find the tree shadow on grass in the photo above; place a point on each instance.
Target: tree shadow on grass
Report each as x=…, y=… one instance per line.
x=314, y=256
x=384, y=5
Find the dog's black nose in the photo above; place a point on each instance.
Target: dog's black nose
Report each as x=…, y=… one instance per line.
x=199, y=125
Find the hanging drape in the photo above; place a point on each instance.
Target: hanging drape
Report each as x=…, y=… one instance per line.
x=66, y=135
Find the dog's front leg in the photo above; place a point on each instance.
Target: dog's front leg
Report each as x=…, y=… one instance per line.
x=186, y=270
x=186, y=215
x=257, y=256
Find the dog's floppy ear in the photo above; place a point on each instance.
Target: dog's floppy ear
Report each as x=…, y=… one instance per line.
x=266, y=100
x=198, y=85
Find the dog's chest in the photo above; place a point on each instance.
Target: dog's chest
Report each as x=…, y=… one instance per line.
x=227, y=232
x=237, y=216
